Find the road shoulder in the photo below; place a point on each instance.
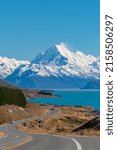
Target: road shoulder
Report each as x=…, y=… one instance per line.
x=2, y=134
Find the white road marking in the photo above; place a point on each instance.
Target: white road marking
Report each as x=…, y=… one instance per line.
x=77, y=144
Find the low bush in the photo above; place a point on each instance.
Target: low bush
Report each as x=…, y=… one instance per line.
x=12, y=96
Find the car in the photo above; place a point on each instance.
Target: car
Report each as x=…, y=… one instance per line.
x=52, y=108
x=12, y=122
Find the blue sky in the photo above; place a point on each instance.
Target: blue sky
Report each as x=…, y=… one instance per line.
x=28, y=27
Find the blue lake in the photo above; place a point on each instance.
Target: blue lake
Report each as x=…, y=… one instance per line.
x=73, y=98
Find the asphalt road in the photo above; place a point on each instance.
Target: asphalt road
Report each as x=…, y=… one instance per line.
x=45, y=142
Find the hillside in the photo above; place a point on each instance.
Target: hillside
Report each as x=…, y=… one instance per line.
x=28, y=93
x=95, y=84
x=3, y=83
x=6, y=84
x=12, y=96
x=91, y=124
x=67, y=122
x=13, y=112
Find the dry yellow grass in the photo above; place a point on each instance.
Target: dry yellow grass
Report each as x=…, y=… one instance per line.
x=89, y=132
x=2, y=134
x=13, y=112
x=68, y=119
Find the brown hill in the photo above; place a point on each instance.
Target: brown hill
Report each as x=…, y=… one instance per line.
x=13, y=112
x=4, y=83
x=91, y=124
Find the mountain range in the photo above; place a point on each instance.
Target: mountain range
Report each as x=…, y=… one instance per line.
x=8, y=65
x=56, y=68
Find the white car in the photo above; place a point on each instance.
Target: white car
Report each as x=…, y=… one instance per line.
x=12, y=122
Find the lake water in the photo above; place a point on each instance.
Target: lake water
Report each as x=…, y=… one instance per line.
x=73, y=98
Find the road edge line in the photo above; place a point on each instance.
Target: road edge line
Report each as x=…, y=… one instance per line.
x=77, y=144
x=18, y=144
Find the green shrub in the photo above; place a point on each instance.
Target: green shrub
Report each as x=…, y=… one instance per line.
x=12, y=96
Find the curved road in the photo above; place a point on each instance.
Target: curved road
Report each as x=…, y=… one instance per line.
x=44, y=142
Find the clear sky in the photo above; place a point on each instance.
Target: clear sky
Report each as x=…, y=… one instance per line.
x=28, y=27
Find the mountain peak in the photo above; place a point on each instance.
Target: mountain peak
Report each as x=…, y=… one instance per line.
x=62, y=49
x=57, y=48
x=61, y=46
x=56, y=54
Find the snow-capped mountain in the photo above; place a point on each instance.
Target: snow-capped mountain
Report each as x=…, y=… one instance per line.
x=8, y=65
x=58, y=61
x=57, y=67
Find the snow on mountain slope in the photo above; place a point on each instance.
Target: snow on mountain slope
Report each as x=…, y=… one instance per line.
x=58, y=60
x=58, y=67
x=8, y=65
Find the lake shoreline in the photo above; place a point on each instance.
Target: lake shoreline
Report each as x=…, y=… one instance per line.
x=71, y=98
x=75, y=90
